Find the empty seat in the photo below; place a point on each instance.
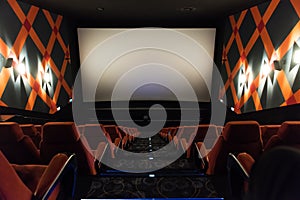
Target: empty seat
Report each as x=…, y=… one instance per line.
x=164, y=132
x=93, y=134
x=288, y=134
x=31, y=131
x=113, y=133
x=53, y=180
x=186, y=135
x=58, y=137
x=207, y=132
x=125, y=137
x=237, y=136
x=267, y=131
x=17, y=147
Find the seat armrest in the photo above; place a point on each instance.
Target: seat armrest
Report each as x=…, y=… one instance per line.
x=30, y=174
x=60, y=166
x=233, y=162
x=176, y=142
x=246, y=161
x=184, y=144
x=117, y=143
x=99, y=153
x=202, y=155
x=238, y=177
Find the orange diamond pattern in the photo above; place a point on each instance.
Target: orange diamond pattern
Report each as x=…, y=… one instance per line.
x=27, y=31
x=261, y=20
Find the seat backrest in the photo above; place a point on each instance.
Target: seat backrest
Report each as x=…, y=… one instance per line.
x=11, y=186
x=60, y=137
x=288, y=134
x=237, y=137
x=17, y=147
x=94, y=135
x=112, y=131
x=31, y=131
x=58, y=179
x=267, y=131
x=187, y=132
x=207, y=132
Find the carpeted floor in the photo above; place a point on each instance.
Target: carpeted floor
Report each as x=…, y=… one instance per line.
x=146, y=187
x=181, y=179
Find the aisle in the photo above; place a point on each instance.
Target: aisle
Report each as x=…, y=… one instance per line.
x=181, y=167
x=181, y=179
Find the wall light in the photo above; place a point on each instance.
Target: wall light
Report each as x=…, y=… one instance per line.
x=47, y=77
x=21, y=68
x=296, y=56
x=242, y=78
x=265, y=69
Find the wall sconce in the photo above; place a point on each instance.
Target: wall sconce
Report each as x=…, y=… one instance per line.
x=9, y=62
x=242, y=79
x=47, y=81
x=296, y=56
x=21, y=68
x=265, y=69
x=47, y=77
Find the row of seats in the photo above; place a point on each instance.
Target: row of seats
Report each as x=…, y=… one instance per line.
x=214, y=143
x=59, y=137
x=54, y=181
x=240, y=165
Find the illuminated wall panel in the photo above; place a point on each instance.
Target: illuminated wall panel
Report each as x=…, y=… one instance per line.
x=40, y=41
x=257, y=41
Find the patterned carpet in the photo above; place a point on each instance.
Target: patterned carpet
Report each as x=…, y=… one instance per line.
x=181, y=179
x=146, y=187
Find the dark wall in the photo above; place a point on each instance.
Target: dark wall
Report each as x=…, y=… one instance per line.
x=46, y=43
x=252, y=40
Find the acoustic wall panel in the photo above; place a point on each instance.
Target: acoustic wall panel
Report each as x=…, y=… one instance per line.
x=38, y=40
x=256, y=41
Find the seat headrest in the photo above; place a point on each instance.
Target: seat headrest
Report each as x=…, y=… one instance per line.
x=29, y=129
x=241, y=132
x=10, y=132
x=289, y=132
x=60, y=132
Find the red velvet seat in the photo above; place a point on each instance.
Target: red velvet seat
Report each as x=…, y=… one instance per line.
x=207, y=132
x=288, y=134
x=164, y=132
x=58, y=137
x=17, y=147
x=113, y=133
x=41, y=182
x=267, y=131
x=94, y=135
x=125, y=137
x=31, y=131
x=185, y=136
x=237, y=136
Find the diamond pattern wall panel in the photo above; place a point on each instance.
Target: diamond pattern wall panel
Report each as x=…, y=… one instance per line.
x=36, y=38
x=261, y=35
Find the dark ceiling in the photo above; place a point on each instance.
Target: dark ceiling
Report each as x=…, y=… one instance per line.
x=141, y=13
